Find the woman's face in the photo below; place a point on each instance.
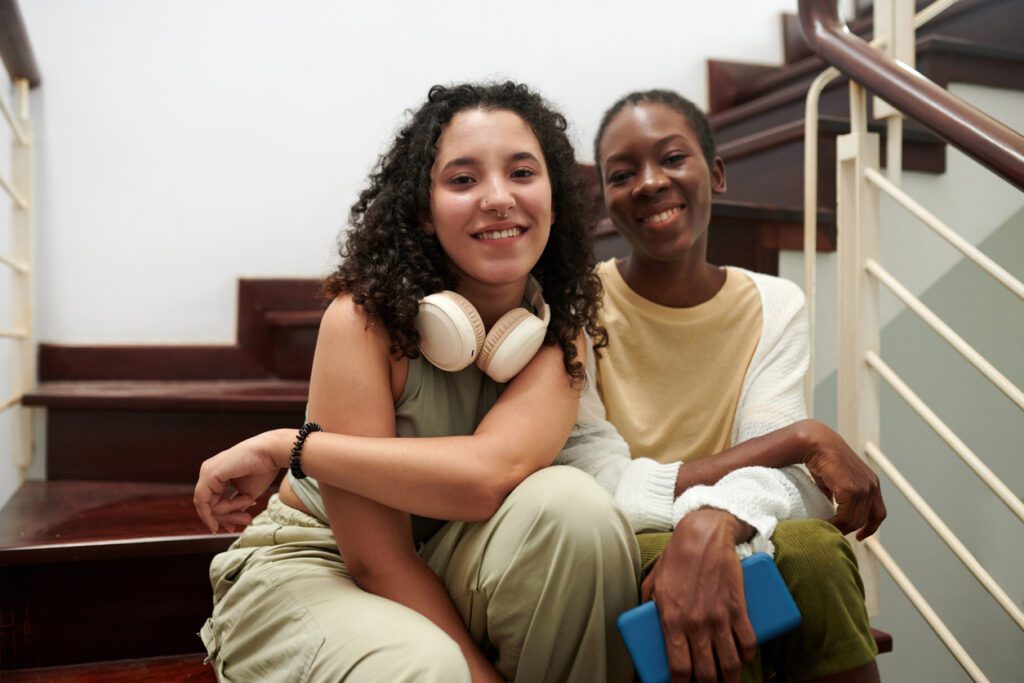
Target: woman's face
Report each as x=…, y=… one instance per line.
x=657, y=184
x=490, y=197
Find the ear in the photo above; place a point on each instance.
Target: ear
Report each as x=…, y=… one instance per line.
x=718, y=184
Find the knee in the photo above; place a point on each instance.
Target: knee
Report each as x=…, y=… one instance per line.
x=428, y=655
x=571, y=504
x=436, y=659
x=813, y=555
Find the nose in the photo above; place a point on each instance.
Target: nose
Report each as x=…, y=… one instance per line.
x=497, y=196
x=652, y=180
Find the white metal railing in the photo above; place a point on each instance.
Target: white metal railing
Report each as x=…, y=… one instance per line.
x=894, y=138
x=860, y=366
x=879, y=552
x=20, y=260
x=946, y=332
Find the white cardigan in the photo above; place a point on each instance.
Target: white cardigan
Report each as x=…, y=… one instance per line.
x=772, y=397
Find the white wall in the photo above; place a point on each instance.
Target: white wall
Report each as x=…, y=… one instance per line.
x=185, y=144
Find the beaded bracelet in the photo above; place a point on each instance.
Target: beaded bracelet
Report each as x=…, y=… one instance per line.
x=296, y=465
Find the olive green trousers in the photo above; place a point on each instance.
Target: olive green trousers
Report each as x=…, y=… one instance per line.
x=539, y=586
x=820, y=569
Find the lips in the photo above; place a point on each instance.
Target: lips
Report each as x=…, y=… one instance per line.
x=661, y=218
x=500, y=234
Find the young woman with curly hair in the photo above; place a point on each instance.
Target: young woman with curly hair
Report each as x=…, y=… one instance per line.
x=478, y=194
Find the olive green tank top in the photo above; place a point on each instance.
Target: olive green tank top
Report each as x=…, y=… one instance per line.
x=433, y=403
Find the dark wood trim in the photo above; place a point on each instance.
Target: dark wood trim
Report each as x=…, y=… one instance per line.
x=827, y=125
x=883, y=640
x=978, y=23
x=942, y=59
x=267, y=309
x=259, y=297
x=71, y=521
x=793, y=46
x=978, y=135
x=146, y=362
x=179, y=669
x=15, y=47
x=728, y=82
x=271, y=395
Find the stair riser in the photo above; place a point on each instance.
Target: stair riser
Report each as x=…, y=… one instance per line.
x=153, y=446
x=89, y=611
x=783, y=163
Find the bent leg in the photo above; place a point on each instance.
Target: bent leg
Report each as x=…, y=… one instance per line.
x=543, y=580
x=820, y=569
x=834, y=635
x=286, y=609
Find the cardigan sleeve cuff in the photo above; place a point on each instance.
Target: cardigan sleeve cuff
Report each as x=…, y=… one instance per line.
x=645, y=493
x=755, y=495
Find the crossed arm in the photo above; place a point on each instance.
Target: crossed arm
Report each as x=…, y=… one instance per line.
x=371, y=482
x=782, y=467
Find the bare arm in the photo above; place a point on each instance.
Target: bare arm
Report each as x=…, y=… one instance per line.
x=352, y=392
x=460, y=478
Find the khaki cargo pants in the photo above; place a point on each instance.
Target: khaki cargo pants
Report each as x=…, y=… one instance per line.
x=539, y=586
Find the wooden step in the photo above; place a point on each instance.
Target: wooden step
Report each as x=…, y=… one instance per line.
x=778, y=154
x=991, y=23
x=157, y=431
x=181, y=669
x=941, y=59
x=99, y=571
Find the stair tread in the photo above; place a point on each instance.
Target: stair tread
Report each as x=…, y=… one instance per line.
x=794, y=130
x=790, y=82
x=181, y=668
x=55, y=521
x=249, y=395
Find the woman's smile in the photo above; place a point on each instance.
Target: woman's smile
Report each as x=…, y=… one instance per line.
x=663, y=218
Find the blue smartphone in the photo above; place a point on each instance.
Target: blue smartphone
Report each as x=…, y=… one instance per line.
x=770, y=608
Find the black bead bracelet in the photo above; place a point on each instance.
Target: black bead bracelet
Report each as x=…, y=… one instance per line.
x=296, y=460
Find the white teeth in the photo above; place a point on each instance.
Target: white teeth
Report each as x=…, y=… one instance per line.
x=500, y=234
x=660, y=217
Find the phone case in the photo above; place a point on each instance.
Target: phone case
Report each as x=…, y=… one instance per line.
x=770, y=608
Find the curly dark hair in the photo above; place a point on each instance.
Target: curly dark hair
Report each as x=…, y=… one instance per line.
x=671, y=99
x=389, y=262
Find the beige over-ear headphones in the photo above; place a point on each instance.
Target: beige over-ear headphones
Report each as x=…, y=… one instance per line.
x=452, y=334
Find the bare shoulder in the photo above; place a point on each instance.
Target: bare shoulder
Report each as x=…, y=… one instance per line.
x=345, y=321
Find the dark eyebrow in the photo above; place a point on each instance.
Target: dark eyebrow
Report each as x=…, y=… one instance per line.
x=522, y=156
x=459, y=162
x=660, y=143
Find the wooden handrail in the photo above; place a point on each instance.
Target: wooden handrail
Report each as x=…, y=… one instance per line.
x=978, y=135
x=15, y=48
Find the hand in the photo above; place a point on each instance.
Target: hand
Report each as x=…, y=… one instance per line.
x=231, y=481
x=698, y=585
x=840, y=473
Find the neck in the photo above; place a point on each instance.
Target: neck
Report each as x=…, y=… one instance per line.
x=492, y=301
x=677, y=284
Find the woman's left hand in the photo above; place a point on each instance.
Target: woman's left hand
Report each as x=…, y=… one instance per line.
x=231, y=481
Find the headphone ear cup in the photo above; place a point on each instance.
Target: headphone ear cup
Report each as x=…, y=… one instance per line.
x=451, y=331
x=511, y=344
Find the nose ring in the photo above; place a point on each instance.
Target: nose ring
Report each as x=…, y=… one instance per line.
x=504, y=215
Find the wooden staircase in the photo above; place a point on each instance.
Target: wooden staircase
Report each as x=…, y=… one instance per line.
x=103, y=566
